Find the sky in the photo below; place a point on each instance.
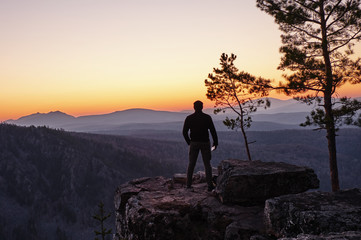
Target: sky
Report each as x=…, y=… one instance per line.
x=87, y=57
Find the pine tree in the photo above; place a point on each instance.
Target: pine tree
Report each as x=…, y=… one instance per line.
x=317, y=44
x=239, y=91
x=101, y=217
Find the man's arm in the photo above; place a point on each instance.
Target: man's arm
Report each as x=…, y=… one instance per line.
x=185, y=131
x=212, y=129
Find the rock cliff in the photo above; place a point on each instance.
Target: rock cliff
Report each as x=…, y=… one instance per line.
x=161, y=208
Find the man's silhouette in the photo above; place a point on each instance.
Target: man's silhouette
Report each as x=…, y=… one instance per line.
x=199, y=123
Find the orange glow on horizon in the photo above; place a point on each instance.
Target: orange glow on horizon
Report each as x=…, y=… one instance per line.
x=86, y=58
x=84, y=107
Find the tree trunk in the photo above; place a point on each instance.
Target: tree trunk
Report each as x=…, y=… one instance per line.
x=329, y=118
x=241, y=115
x=331, y=140
x=246, y=143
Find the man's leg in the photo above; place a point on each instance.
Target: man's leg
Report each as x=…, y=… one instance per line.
x=193, y=155
x=206, y=156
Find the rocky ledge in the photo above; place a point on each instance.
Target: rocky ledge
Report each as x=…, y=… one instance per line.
x=160, y=208
x=156, y=208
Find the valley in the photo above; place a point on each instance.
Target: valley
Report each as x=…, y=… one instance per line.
x=56, y=168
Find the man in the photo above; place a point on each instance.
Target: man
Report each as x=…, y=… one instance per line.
x=199, y=123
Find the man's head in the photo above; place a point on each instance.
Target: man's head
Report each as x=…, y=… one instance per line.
x=198, y=106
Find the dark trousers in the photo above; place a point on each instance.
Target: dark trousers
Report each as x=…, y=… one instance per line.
x=194, y=148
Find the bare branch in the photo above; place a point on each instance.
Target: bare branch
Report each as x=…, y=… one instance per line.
x=336, y=19
x=306, y=32
x=354, y=37
x=333, y=9
x=303, y=5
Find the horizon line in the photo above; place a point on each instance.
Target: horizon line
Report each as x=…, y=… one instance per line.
x=126, y=109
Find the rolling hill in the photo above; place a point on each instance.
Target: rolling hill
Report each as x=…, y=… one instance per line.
x=283, y=114
x=275, y=118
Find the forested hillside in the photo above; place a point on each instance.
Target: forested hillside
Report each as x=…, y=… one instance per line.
x=51, y=181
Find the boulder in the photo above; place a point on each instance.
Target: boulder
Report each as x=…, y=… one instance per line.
x=314, y=213
x=158, y=208
x=252, y=182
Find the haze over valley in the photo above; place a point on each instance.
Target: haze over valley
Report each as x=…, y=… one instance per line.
x=283, y=114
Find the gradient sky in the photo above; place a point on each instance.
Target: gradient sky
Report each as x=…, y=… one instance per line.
x=91, y=57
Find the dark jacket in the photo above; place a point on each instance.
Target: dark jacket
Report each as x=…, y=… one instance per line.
x=198, y=123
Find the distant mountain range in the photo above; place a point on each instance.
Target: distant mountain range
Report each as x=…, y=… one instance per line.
x=283, y=114
x=98, y=122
